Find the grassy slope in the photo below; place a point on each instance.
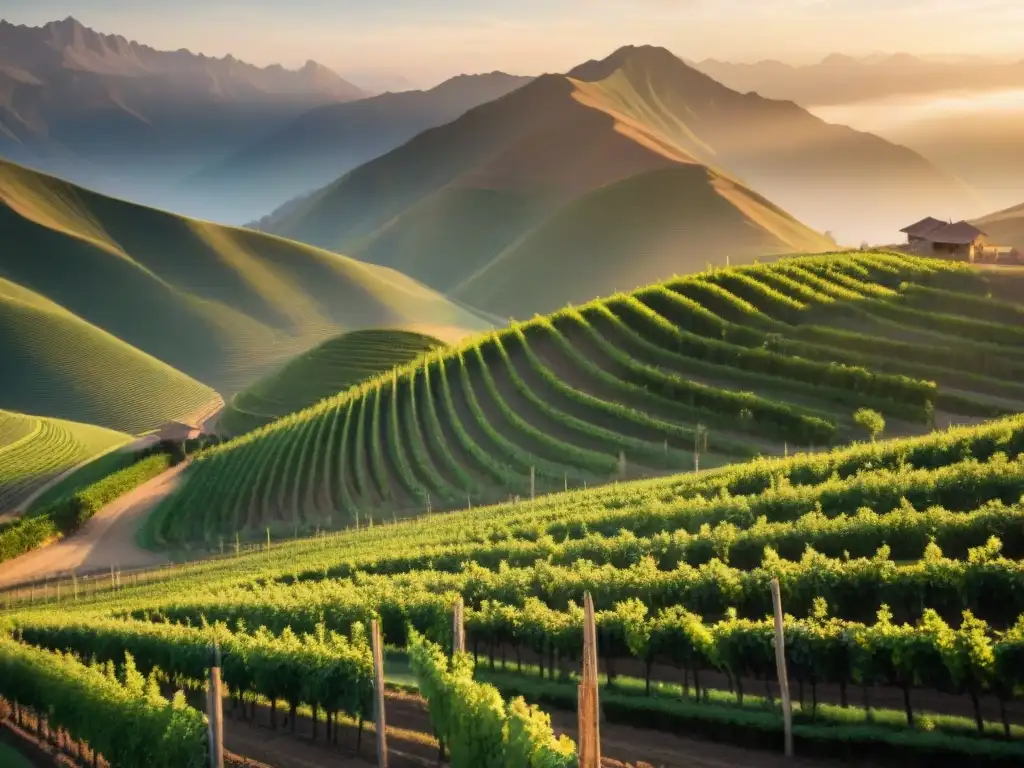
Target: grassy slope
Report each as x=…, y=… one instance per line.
x=769, y=358
x=219, y=304
x=540, y=174
x=57, y=364
x=325, y=370
x=33, y=450
x=636, y=226
x=1005, y=227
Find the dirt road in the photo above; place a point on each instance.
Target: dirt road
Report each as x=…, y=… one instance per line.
x=106, y=540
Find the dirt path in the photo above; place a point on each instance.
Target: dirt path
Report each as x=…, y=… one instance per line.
x=108, y=539
x=411, y=745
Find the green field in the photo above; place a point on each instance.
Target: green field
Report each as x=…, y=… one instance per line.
x=59, y=365
x=730, y=364
x=323, y=371
x=177, y=307
x=899, y=565
x=34, y=450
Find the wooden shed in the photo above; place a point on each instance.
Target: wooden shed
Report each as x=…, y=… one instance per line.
x=177, y=431
x=962, y=240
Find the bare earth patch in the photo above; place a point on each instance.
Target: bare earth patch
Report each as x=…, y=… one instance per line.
x=106, y=540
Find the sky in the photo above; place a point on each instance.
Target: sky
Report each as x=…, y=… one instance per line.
x=425, y=41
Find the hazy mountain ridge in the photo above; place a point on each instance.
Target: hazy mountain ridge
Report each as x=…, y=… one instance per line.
x=839, y=79
x=500, y=207
x=42, y=52
x=328, y=141
x=130, y=120
x=488, y=184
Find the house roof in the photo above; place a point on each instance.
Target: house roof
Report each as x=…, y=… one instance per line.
x=960, y=233
x=170, y=425
x=923, y=226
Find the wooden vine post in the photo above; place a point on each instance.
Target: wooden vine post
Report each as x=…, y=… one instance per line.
x=215, y=712
x=533, y=482
x=589, y=746
x=780, y=662
x=458, y=629
x=378, y=695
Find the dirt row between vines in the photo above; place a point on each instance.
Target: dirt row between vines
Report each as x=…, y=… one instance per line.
x=411, y=745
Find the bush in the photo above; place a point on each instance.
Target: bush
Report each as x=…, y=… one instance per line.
x=870, y=421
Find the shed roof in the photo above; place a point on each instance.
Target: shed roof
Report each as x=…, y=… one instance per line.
x=960, y=233
x=923, y=226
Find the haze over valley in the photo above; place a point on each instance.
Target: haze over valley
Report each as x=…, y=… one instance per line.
x=516, y=384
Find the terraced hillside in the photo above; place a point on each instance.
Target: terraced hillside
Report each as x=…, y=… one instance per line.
x=34, y=450
x=328, y=368
x=221, y=305
x=909, y=548
x=703, y=370
x=57, y=364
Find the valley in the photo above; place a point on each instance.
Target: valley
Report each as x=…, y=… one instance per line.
x=545, y=417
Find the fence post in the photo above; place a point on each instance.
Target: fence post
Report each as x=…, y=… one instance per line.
x=378, y=695
x=458, y=629
x=589, y=706
x=780, y=662
x=215, y=713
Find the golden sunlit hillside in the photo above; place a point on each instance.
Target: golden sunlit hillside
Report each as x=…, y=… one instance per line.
x=106, y=286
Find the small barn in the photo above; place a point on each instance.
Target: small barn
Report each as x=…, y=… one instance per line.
x=177, y=431
x=961, y=240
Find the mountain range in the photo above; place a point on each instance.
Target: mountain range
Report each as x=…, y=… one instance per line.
x=127, y=119
x=840, y=79
x=325, y=142
x=1005, y=227
x=621, y=171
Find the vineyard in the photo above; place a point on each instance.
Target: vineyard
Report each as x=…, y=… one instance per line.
x=34, y=450
x=67, y=513
x=336, y=364
x=697, y=372
x=900, y=571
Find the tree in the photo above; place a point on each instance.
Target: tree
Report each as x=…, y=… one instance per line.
x=870, y=421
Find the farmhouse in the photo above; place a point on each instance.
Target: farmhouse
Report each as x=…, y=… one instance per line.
x=961, y=240
x=177, y=431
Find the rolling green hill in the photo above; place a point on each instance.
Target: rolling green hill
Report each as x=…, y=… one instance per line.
x=727, y=364
x=58, y=364
x=126, y=315
x=619, y=173
x=34, y=450
x=325, y=370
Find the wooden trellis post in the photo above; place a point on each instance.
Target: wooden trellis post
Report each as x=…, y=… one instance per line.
x=458, y=629
x=589, y=745
x=215, y=713
x=780, y=662
x=533, y=482
x=378, y=695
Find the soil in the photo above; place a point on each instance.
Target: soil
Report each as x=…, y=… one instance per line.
x=108, y=539
x=922, y=700
x=410, y=745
